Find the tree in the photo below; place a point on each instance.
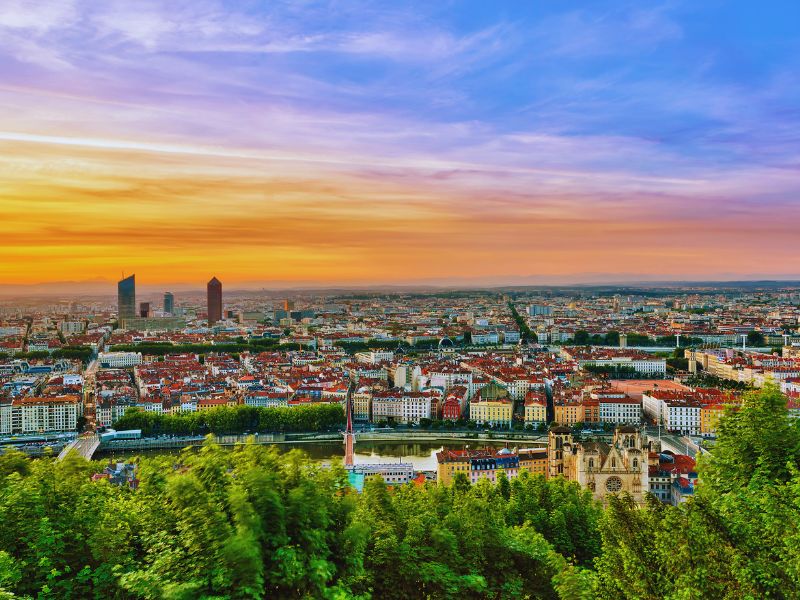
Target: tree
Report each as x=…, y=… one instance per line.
x=251, y=522
x=581, y=337
x=756, y=338
x=738, y=538
x=757, y=442
x=612, y=338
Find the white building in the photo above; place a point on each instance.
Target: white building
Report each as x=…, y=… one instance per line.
x=483, y=339
x=645, y=366
x=5, y=418
x=151, y=405
x=675, y=412
x=375, y=357
x=391, y=473
x=107, y=413
x=70, y=327
x=266, y=398
x=620, y=411
x=448, y=377
x=119, y=360
x=404, y=407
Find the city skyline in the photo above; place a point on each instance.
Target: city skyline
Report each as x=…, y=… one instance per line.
x=465, y=144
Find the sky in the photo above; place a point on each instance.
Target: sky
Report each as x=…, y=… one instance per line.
x=354, y=143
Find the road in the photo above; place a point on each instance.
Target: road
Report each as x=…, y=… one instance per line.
x=85, y=446
x=676, y=443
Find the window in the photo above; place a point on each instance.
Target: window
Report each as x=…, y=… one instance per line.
x=613, y=484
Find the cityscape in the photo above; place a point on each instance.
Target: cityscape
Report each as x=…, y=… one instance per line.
x=426, y=301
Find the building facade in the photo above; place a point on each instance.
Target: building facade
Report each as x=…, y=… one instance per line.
x=621, y=466
x=169, y=303
x=39, y=415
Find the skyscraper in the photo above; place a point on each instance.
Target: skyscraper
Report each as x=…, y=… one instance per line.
x=214, y=290
x=169, y=303
x=144, y=309
x=126, y=298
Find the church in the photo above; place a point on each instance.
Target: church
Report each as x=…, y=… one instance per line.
x=603, y=468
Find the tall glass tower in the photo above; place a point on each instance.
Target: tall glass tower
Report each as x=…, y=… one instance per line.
x=169, y=303
x=126, y=298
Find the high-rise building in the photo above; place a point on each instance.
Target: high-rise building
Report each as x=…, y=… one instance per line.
x=126, y=298
x=288, y=305
x=144, y=309
x=536, y=310
x=214, y=290
x=169, y=303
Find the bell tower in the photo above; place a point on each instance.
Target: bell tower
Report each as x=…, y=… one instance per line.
x=557, y=439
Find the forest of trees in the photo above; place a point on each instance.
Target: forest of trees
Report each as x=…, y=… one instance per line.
x=525, y=333
x=235, y=419
x=253, y=523
x=83, y=353
x=257, y=345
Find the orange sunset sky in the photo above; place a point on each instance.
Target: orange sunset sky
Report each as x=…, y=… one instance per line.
x=392, y=145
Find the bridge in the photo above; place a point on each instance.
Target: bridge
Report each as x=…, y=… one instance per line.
x=84, y=446
x=349, y=436
x=679, y=444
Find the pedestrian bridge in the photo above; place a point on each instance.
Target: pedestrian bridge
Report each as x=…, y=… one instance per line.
x=84, y=446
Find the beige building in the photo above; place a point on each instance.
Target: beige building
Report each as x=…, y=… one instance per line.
x=568, y=411
x=38, y=415
x=362, y=403
x=535, y=408
x=491, y=405
x=533, y=460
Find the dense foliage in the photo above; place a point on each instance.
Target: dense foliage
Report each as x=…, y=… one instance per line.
x=83, y=353
x=254, y=345
x=235, y=419
x=252, y=523
x=738, y=538
x=258, y=344
x=525, y=333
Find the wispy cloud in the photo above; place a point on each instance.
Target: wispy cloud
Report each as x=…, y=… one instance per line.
x=429, y=138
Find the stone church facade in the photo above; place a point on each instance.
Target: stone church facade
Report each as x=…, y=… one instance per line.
x=604, y=468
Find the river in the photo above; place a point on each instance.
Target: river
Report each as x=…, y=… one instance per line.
x=420, y=454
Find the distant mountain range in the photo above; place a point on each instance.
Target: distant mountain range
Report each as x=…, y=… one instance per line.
x=105, y=288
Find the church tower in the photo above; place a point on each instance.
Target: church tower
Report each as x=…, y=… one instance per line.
x=559, y=442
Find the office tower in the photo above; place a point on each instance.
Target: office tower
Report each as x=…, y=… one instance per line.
x=126, y=298
x=169, y=303
x=144, y=309
x=288, y=305
x=214, y=290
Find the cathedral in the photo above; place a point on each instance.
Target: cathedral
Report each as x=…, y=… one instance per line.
x=603, y=468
